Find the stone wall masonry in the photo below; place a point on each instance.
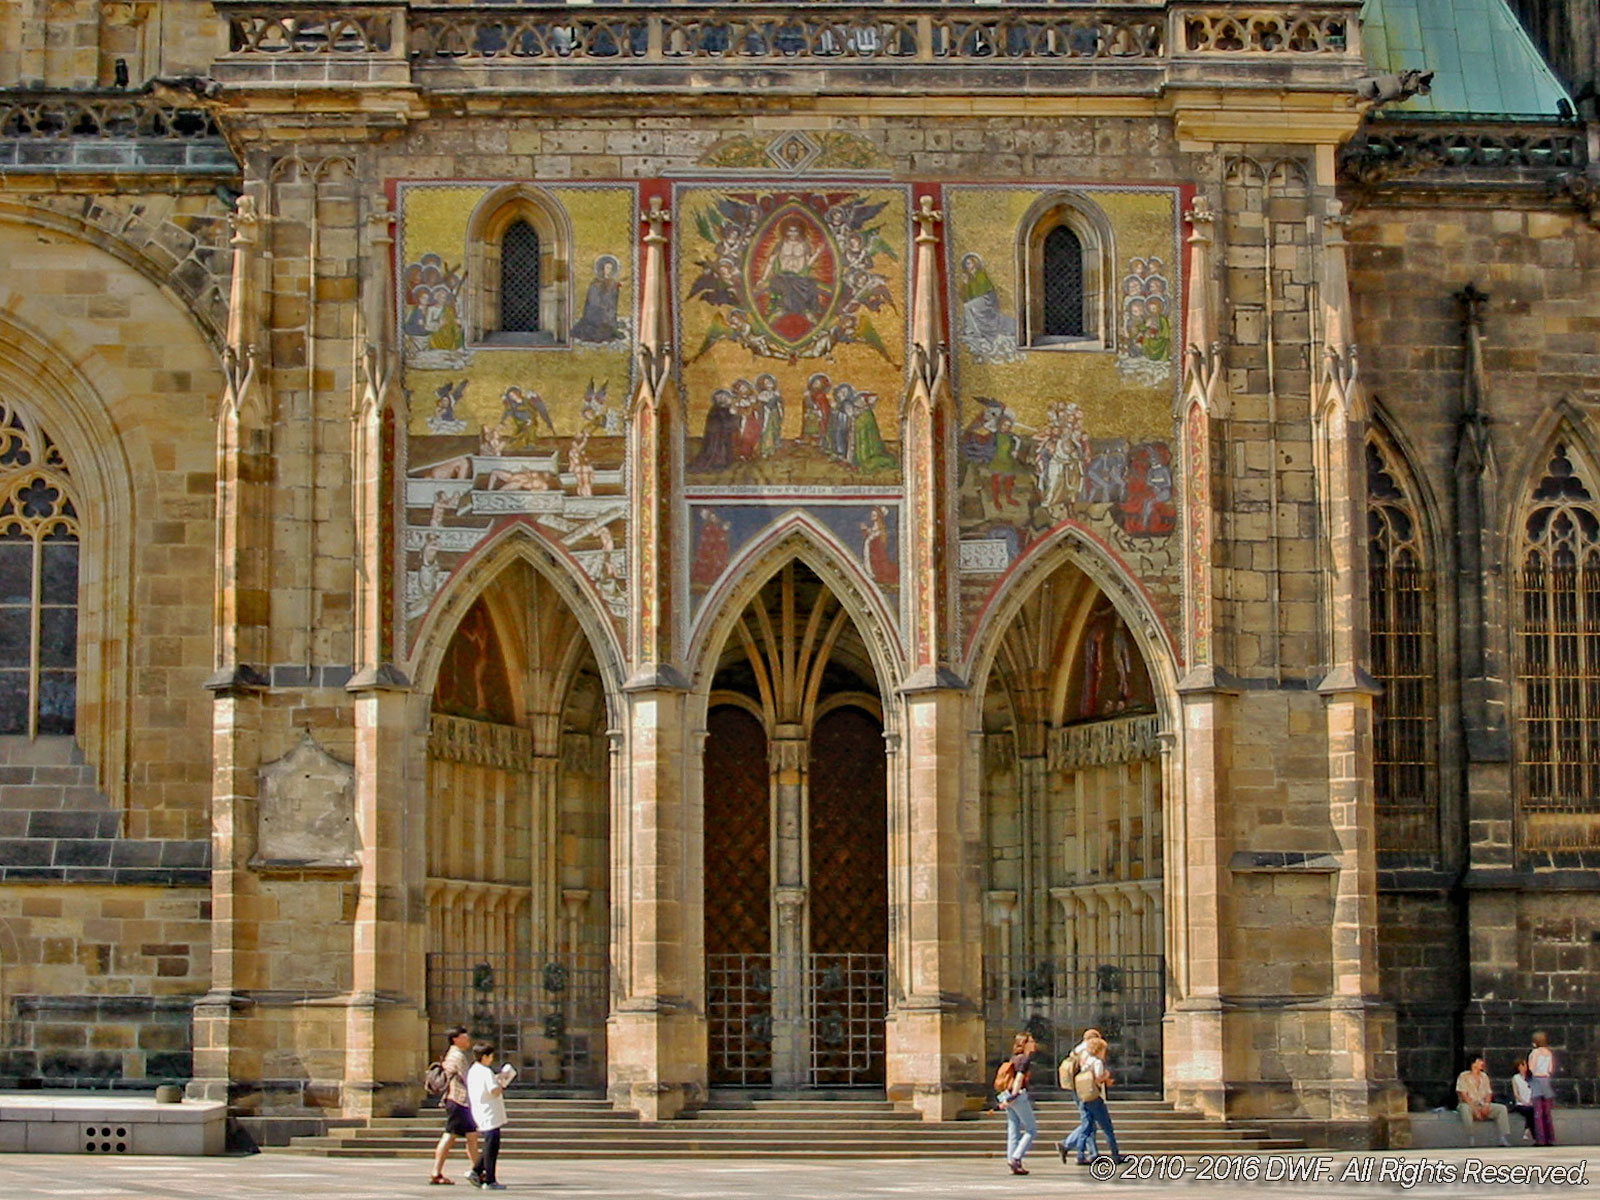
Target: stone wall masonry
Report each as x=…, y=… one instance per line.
x=1423, y=974
x=98, y=982
x=931, y=145
x=145, y=373
x=1530, y=959
x=1541, y=321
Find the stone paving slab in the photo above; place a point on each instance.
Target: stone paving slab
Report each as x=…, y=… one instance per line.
x=24, y=1177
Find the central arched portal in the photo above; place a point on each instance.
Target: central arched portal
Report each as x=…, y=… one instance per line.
x=796, y=847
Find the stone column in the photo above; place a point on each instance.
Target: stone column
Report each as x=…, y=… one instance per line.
x=1001, y=908
x=934, y=1035
x=1197, y=769
x=656, y=1043
x=1362, y=1082
x=1196, y=878
x=228, y=1062
x=223, y=1053
x=935, y=1031
x=788, y=760
x=385, y=1029
x=656, y=1037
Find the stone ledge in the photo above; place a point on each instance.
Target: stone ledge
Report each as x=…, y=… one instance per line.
x=121, y=876
x=99, y=859
x=55, y=1123
x=1442, y=1130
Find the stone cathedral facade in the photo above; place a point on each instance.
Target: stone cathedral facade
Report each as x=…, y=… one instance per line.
x=771, y=546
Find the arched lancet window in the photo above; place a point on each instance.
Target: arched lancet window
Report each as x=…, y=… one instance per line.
x=1404, y=660
x=519, y=279
x=1557, y=653
x=1063, y=284
x=1064, y=249
x=38, y=583
x=519, y=245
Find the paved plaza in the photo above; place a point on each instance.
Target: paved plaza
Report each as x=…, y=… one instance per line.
x=1455, y=1173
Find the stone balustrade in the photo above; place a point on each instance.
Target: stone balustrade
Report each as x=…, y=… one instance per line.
x=99, y=133
x=1395, y=150
x=498, y=45
x=116, y=114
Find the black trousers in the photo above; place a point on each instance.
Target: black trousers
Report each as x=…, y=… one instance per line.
x=489, y=1151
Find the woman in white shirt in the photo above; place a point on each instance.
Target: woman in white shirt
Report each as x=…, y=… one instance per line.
x=1522, y=1097
x=1542, y=1065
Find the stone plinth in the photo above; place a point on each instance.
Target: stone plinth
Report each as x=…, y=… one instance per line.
x=74, y=1123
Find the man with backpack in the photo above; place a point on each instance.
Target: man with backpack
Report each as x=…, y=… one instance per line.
x=1066, y=1075
x=1090, y=1083
x=448, y=1078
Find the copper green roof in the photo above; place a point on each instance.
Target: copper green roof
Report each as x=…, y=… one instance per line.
x=1484, y=62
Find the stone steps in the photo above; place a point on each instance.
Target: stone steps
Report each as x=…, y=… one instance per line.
x=785, y=1129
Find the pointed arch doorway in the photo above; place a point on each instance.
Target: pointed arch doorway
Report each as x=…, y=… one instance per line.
x=517, y=842
x=1074, y=826
x=796, y=847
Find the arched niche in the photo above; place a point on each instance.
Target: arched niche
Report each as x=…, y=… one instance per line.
x=516, y=212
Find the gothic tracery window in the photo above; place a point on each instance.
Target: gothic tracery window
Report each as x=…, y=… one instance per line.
x=1401, y=610
x=1557, y=645
x=38, y=583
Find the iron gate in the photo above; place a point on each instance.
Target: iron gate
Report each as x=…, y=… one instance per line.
x=739, y=1019
x=846, y=1000
x=546, y=1013
x=848, y=997
x=1123, y=996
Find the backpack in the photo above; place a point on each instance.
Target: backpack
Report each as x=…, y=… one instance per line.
x=1086, y=1085
x=435, y=1080
x=1004, y=1077
x=1067, y=1071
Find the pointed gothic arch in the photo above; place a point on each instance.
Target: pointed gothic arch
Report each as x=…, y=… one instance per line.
x=794, y=782
x=1072, y=544
x=797, y=537
x=518, y=680
x=1554, y=557
x=518, y=541
x=48, y=386
x=1075, y=801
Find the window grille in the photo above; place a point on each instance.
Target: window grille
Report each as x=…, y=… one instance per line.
x=38, y=584
x=1063, y=284
x=1558, y=644
x=1401, y=606
x=519, y=279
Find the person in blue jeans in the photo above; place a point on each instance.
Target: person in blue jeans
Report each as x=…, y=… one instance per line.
x=1066, y=1074
x=1091, y=1081
x=1021, y=1125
